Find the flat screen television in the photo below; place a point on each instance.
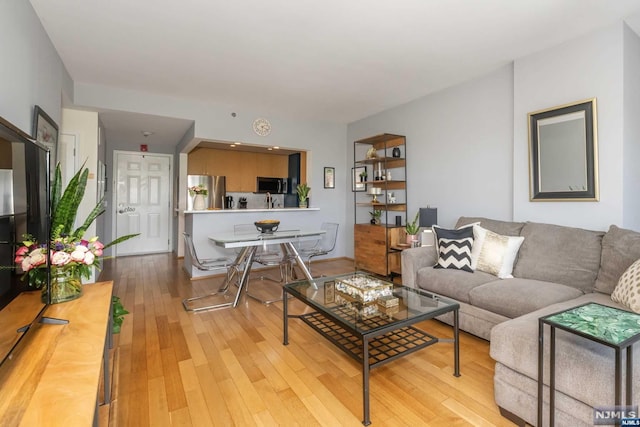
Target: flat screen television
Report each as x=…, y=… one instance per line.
x=24, y=208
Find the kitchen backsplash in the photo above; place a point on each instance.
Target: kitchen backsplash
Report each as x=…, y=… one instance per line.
x=257, y=201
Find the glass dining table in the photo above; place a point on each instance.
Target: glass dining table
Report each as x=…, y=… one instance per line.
x=248, y=243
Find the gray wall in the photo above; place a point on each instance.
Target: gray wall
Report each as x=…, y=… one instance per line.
x=631, y=135
x=459, y=147
x=468, y=144
x=587, y=67
x=31, y=72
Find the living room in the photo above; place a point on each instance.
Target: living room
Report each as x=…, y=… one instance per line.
x=467, y=142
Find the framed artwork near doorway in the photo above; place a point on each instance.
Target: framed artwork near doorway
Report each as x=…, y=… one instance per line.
x=45, y=131
x=329, y=177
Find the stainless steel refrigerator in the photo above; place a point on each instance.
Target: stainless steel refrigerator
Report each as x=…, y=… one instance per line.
x=216, y=188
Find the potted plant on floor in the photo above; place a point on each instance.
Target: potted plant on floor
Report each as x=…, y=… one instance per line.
x=303, y=195
x=412, y=229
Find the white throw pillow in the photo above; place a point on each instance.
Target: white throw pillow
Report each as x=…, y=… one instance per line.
x=494, y=253
x=627, y=291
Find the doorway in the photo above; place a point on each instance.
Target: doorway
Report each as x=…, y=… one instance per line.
x=142, y=192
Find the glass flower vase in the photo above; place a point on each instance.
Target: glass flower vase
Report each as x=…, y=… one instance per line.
x=66, y=285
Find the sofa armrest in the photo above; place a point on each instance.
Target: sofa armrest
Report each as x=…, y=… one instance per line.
x=413, y=260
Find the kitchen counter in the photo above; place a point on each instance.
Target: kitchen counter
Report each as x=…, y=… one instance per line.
x=204, y=223
x=218, y=211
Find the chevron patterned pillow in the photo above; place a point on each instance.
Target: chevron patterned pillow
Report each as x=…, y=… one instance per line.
x=454, y=248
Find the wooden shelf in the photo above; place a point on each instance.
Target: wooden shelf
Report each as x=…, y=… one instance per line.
x=376, y=247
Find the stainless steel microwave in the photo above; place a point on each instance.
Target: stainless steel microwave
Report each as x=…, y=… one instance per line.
x=266, y=184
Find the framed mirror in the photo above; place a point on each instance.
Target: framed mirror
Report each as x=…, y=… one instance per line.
x=563, y=153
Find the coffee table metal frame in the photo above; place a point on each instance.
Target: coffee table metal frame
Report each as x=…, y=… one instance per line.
x=387, y=340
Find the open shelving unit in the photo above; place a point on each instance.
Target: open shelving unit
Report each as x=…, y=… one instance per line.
x=377, y=247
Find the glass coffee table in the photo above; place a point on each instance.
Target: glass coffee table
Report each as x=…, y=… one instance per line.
x=369, y=319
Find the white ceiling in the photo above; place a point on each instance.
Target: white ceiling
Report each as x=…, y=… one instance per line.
x=330, y=60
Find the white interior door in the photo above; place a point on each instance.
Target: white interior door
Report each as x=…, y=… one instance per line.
x=143, y=202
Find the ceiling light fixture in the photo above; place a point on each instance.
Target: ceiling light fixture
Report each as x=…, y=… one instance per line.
x=275, y=147
x=232, y=145
x=147, y=133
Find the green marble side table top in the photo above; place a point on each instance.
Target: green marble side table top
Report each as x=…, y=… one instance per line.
x=608, y=324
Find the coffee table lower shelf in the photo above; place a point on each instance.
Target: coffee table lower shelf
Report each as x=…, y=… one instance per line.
x=382, y=349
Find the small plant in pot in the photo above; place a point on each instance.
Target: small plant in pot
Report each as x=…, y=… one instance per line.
x=303, y=194
x=375, y=216
x=363, y=176
x=412, y=229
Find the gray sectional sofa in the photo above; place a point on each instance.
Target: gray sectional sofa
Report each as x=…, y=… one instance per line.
x=557, y=268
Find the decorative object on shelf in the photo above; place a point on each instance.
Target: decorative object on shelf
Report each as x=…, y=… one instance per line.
x=71, y=256
x=391, y=198
x=395, y=152
x=356, y=183
x=412, y=228
x=375, y=192
x=303, y=195
x=375, y=216
x=372, y=153
x=329, y=177
x=262, y=127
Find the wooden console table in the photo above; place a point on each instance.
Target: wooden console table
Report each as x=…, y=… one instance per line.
x=53, y=377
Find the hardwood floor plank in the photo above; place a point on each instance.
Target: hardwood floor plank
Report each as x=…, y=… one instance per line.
x=158, y=407
x=229, y=367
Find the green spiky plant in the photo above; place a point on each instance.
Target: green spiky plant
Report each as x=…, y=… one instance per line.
x=413, y=227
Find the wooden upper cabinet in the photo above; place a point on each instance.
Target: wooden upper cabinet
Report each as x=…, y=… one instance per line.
x=240, y=167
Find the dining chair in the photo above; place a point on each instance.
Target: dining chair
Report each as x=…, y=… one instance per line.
x=322, y=246
x=209, y=264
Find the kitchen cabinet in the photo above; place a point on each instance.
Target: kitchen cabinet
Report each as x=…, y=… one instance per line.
x=376, y=246
x=240, y=167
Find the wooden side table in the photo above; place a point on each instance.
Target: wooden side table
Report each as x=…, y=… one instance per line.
x=594, y=322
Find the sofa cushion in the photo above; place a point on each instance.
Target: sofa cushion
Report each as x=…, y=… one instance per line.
x=505, y=228
x=494, y=253
x=451, y=283
x=620, y=248
x=454, y=248
x=627, y=291
x=514, y=297
x=565, y=255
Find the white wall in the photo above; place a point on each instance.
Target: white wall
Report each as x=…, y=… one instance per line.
x=84, y=124
x=588, y=67
x=459, y=147
x=31, y=72
x=631, y=149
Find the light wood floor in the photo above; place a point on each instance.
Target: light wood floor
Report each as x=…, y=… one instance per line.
x=229, y=367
